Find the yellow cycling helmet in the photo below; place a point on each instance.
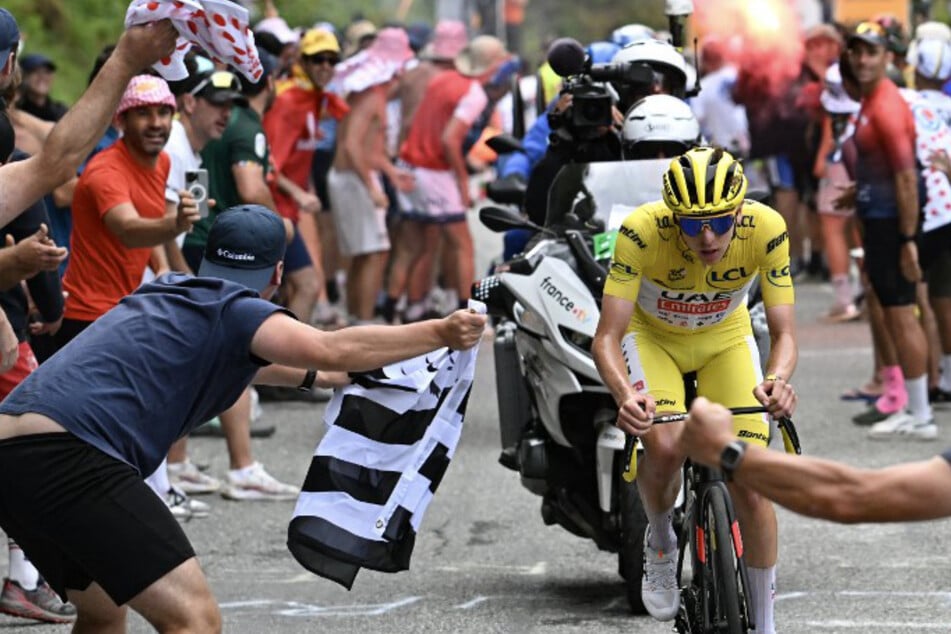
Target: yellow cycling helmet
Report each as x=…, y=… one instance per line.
x=704, y=181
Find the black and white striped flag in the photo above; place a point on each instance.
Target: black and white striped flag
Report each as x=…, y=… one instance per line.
x=390, y=437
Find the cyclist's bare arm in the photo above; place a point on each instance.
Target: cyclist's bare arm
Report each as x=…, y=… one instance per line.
x=783, y=355
x=823, y=488
x=634, y=410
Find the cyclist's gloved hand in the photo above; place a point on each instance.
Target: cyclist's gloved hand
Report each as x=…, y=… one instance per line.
x=778, y=395
x=636, y=414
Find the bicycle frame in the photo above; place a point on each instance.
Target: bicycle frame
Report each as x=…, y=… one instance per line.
x=701, y=603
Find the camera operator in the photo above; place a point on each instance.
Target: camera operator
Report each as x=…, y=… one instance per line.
x=586, y=120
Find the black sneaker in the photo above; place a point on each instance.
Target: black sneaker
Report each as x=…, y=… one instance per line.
x=937, y=396
x=870, y=416
x=41, y=604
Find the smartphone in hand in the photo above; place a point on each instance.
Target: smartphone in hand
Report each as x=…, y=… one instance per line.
x=196, y=182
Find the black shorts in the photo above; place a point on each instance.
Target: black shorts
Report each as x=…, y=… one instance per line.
x=934, y=254
x=319, y=169
x=82, y=516
x=882, y=262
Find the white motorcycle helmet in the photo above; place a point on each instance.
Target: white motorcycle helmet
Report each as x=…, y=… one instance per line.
x=668, y=64
x=659, y=126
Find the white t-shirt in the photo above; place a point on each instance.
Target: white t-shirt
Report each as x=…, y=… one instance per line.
x=722, y=121
x=183, y=158
x=931, y=134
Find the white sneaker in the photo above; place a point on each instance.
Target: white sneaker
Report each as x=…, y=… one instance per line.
x=659, y=590
x=903, y=425
x=257, y=484
x=183, y=507
x=189, y=478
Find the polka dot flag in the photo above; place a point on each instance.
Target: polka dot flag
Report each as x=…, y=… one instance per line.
x=218, y=26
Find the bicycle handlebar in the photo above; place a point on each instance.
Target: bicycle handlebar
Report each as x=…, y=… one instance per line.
x=786, y=428
x=736, y=411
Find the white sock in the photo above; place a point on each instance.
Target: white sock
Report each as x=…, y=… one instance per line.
x=661, y=534
x=945, y=381
x=763, y=595
x=158, y=481
x=843, y=289
x=414, y=311
x=918, y=398
x=21, y=570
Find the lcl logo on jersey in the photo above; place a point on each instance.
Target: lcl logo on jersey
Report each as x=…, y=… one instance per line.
x=745, y=221
x=715, y=278
x=780, y=277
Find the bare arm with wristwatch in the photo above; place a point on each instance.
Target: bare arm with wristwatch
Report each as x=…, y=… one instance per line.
x=816, y=487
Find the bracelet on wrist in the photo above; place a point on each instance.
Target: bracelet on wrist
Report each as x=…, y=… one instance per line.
x=308, y=383
x=774, y=377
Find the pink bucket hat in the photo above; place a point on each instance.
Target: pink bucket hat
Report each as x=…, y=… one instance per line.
x=146, y=90
x=374, y=65
x=449, y=39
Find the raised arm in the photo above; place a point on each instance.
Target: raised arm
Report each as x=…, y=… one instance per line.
x=23, y=182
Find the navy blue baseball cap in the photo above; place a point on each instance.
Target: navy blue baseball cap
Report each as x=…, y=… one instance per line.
x=31, y=62
x=9, y=35
x=244, y=245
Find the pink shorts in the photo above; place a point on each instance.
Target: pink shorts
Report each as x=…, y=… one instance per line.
x=831, y=187
x=435, y=198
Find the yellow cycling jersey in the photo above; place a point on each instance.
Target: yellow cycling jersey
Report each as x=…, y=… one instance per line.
x=674, y=291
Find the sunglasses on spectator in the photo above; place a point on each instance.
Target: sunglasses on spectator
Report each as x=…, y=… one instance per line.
x=692, y=227
x=220, y=79
x=320, y=58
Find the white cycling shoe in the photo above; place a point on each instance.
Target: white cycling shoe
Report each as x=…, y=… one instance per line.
x=659, y=590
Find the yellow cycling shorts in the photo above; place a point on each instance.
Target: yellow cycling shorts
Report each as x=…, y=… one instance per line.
x=727, y=366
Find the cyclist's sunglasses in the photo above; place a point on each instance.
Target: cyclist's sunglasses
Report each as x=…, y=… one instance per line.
x=321, y=58
x=719, y=225
x=220, y=79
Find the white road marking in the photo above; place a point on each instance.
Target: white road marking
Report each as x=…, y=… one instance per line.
x=472, y=603
x=294, y=608
x=868, y=626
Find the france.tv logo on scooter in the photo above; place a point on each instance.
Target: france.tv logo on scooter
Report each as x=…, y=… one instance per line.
x=564, y=301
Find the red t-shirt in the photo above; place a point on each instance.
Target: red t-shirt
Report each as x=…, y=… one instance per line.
x=101, y=269
x=291, y=127
x=885, y=143
x=448, y=95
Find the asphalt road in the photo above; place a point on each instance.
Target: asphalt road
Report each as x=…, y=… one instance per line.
x=484, y=561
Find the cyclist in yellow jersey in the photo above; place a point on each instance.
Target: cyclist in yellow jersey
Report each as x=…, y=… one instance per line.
x=675, y=302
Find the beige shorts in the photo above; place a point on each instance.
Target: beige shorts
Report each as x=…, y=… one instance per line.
x=361, y=226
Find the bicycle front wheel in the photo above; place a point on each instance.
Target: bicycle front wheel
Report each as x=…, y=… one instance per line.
x=725, y=593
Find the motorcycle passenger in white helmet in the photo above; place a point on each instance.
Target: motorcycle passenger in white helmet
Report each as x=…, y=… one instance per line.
x=666, y=62
x=659, y=126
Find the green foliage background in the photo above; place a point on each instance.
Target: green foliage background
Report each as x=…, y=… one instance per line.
x=72, y=32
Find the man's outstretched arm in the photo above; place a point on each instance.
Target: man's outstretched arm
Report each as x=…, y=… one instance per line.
x=73, y=138
x=823, y=488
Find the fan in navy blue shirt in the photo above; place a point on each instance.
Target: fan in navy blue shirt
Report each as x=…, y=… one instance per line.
x=170, y=356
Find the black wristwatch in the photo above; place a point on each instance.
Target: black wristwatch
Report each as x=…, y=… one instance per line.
x=731, y=457
x=903, y=238
x=308, y=383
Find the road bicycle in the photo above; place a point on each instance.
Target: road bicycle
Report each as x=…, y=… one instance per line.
x=711, y=571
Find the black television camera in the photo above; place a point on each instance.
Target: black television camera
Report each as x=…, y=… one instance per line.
x=592, y=98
